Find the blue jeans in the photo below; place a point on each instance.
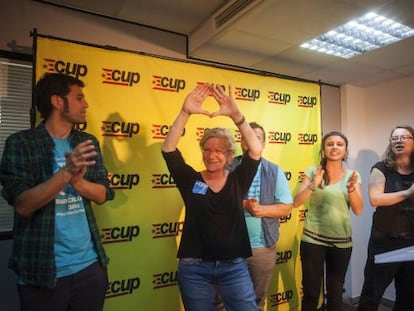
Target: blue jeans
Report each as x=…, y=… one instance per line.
x=199, y=280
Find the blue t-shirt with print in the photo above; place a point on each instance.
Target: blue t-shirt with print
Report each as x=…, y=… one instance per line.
x=74, y=249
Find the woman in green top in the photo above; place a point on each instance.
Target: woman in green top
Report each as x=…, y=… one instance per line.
x=327, y=240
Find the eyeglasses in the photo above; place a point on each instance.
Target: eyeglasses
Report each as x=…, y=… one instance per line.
x=402, y=138
x=218, y=151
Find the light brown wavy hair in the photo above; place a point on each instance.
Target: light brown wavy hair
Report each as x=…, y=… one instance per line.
x=389, y=155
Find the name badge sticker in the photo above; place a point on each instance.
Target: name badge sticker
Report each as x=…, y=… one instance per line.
x=200, y=187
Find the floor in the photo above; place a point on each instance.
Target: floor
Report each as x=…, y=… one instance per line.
x=348, y=307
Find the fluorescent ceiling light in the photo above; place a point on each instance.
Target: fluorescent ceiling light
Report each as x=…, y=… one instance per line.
x=360, y=35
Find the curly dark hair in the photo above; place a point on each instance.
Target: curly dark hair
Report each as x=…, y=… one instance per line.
x=52, y=84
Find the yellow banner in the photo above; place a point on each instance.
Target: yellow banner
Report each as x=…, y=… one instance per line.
x=133, y=100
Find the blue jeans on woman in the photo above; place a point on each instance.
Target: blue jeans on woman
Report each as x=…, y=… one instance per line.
x=199, y=280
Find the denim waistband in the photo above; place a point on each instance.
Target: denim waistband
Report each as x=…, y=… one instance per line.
x=189, y=260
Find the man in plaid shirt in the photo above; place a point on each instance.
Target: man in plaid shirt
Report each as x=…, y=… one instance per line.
x=50, y=175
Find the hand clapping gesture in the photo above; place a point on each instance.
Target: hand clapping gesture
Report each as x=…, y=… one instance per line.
x=350, y=185
x=317, y=179
x=79, y=158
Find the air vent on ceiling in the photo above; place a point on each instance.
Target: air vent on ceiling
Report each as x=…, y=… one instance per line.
x=220, y=20
x=230, y=11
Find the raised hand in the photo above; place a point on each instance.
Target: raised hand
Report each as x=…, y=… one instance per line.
x=226, y=102
x=352, y=180
x=317, y=179
x=194, y=100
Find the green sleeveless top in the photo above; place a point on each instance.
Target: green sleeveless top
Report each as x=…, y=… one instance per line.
x=327, y=219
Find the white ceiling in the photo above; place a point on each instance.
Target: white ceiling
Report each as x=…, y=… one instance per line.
x=266, y=34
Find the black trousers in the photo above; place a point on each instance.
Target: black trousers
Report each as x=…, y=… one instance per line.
x=379, y=276
x=316, y=259
x=82, y=291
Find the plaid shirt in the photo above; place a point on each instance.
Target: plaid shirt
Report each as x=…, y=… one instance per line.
x=28, y=161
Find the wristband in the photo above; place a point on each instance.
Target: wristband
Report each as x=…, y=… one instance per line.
x=240, y=122
x=311, y=187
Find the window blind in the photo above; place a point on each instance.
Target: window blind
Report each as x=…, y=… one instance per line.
x=15, y=104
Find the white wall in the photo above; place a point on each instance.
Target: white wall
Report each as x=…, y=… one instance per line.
x=368, y=116
x=330, y=109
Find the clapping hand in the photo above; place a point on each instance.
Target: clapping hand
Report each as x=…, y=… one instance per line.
x=317, y=179
x=352, y=180
x=79, y=158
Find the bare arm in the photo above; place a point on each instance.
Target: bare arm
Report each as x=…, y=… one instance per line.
x=275, y=210
x=378, y=197
x=192, y=105
x=91, y=191
x=307, y=187
x=228, y=107
x=77, y=161
x=354, y=192
x=304, y=192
